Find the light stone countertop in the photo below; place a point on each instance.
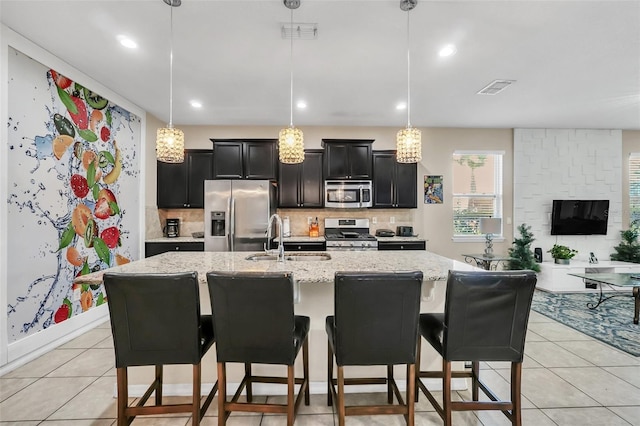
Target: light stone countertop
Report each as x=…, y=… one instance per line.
x=175, y=240
x=433, y=266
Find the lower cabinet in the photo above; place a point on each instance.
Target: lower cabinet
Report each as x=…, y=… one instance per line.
x=402, y=245
x=151, y=249
x=554, y=277
x=305, y=246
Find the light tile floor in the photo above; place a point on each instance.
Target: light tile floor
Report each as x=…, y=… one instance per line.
x=568, y=379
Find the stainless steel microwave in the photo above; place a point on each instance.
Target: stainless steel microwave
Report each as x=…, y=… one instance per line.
x=344, y=194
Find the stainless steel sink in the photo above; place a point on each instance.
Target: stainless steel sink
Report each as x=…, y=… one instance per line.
x=304, y=257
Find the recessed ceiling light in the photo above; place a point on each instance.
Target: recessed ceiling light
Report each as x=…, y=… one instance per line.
x=448, y=50
x=196, y=104
x=127, y=42
x=301, y=104
x=401, y=106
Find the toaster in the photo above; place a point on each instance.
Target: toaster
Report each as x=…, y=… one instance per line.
x=385, y=233
x=404, y=231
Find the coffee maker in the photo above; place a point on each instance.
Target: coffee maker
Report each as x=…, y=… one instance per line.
x=172, y=228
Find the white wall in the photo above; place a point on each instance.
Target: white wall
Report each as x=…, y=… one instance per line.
x=567, y=164
x=21, y=351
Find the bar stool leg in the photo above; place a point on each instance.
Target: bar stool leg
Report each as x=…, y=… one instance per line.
x=195, y=410
x=418, y=348
x=446, y=392
x=475, y=372
x=411, y=391
x=329, y=375
x=158, y=384
x=290, y=395
x=123, y=396
x=222, y=393
x=249, y=388
x=516, y=383
x=341, y=409
x=305, y=369
x=389, y=387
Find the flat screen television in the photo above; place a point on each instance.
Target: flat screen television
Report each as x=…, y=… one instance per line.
x=579, y=217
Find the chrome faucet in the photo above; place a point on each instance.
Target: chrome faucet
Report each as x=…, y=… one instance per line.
x=268, y=243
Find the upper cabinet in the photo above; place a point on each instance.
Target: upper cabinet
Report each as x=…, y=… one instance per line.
x=394, y=184
x=181, y=185
x=301, y=185
x=245, y=159
x=347, y=158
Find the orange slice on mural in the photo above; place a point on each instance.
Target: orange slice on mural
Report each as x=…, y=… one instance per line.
x=80, y=218
x=60, y=145
x=74, y=257
x=121, y=260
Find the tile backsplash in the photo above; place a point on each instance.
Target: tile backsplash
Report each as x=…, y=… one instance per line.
x=192, y=220
x=300, y=227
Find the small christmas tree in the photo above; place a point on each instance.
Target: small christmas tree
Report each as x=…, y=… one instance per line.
x=521, y=255
x=629, y=249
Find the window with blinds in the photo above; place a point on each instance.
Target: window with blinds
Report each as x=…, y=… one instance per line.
x=477, y=190
x=634, y=187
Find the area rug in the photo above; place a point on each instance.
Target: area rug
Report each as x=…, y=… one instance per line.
x=611, y=322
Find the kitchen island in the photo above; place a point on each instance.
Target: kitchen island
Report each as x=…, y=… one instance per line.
x=314, y=298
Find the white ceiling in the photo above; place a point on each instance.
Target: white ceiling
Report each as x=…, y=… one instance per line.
x=577, y=63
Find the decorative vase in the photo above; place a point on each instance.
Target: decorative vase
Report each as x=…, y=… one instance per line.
x=562, y=261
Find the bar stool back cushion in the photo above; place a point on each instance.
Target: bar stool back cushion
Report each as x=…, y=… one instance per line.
x=254, y=318
x=485, y=316
x=155, y=319
x=376, y=318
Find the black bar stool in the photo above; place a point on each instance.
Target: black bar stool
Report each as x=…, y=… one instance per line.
x=375, y=323
x=485, y=319
x=254, y=324
x=155, y=320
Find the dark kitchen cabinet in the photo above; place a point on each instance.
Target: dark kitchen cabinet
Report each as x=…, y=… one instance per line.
x=402, y=245
x=151, y=249
x=394, y=184
x=301, y=245
x=347, y=158
x=181, y=185
x=301, y=185
x=245, y=159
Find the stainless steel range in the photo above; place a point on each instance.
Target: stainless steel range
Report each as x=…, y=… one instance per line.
x=348, y=234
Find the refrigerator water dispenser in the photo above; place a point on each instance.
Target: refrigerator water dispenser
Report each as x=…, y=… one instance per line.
x=217, y=224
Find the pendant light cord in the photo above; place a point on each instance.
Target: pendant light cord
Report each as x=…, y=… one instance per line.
x=291, y=70
x=408, y=75
x=171, y=70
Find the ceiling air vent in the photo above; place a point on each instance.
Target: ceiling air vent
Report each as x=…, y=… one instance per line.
x=495, y=87
x=303, y=31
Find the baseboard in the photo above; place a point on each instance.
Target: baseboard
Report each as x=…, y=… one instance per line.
x=316, y=388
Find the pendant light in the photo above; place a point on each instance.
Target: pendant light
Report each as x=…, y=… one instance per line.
x=169, y=140
x=409, y=140
x=291, y=140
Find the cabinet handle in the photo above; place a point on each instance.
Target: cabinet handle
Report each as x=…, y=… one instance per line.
x=299, y=247
x=177, y=248
x=401, y=247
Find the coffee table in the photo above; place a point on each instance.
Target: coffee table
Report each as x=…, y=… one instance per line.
x=620, y=279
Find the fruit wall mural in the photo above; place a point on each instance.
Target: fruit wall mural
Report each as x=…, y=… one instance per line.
x=74, y=191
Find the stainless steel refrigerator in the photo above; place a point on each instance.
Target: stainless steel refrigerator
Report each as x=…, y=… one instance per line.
x=236, y=214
